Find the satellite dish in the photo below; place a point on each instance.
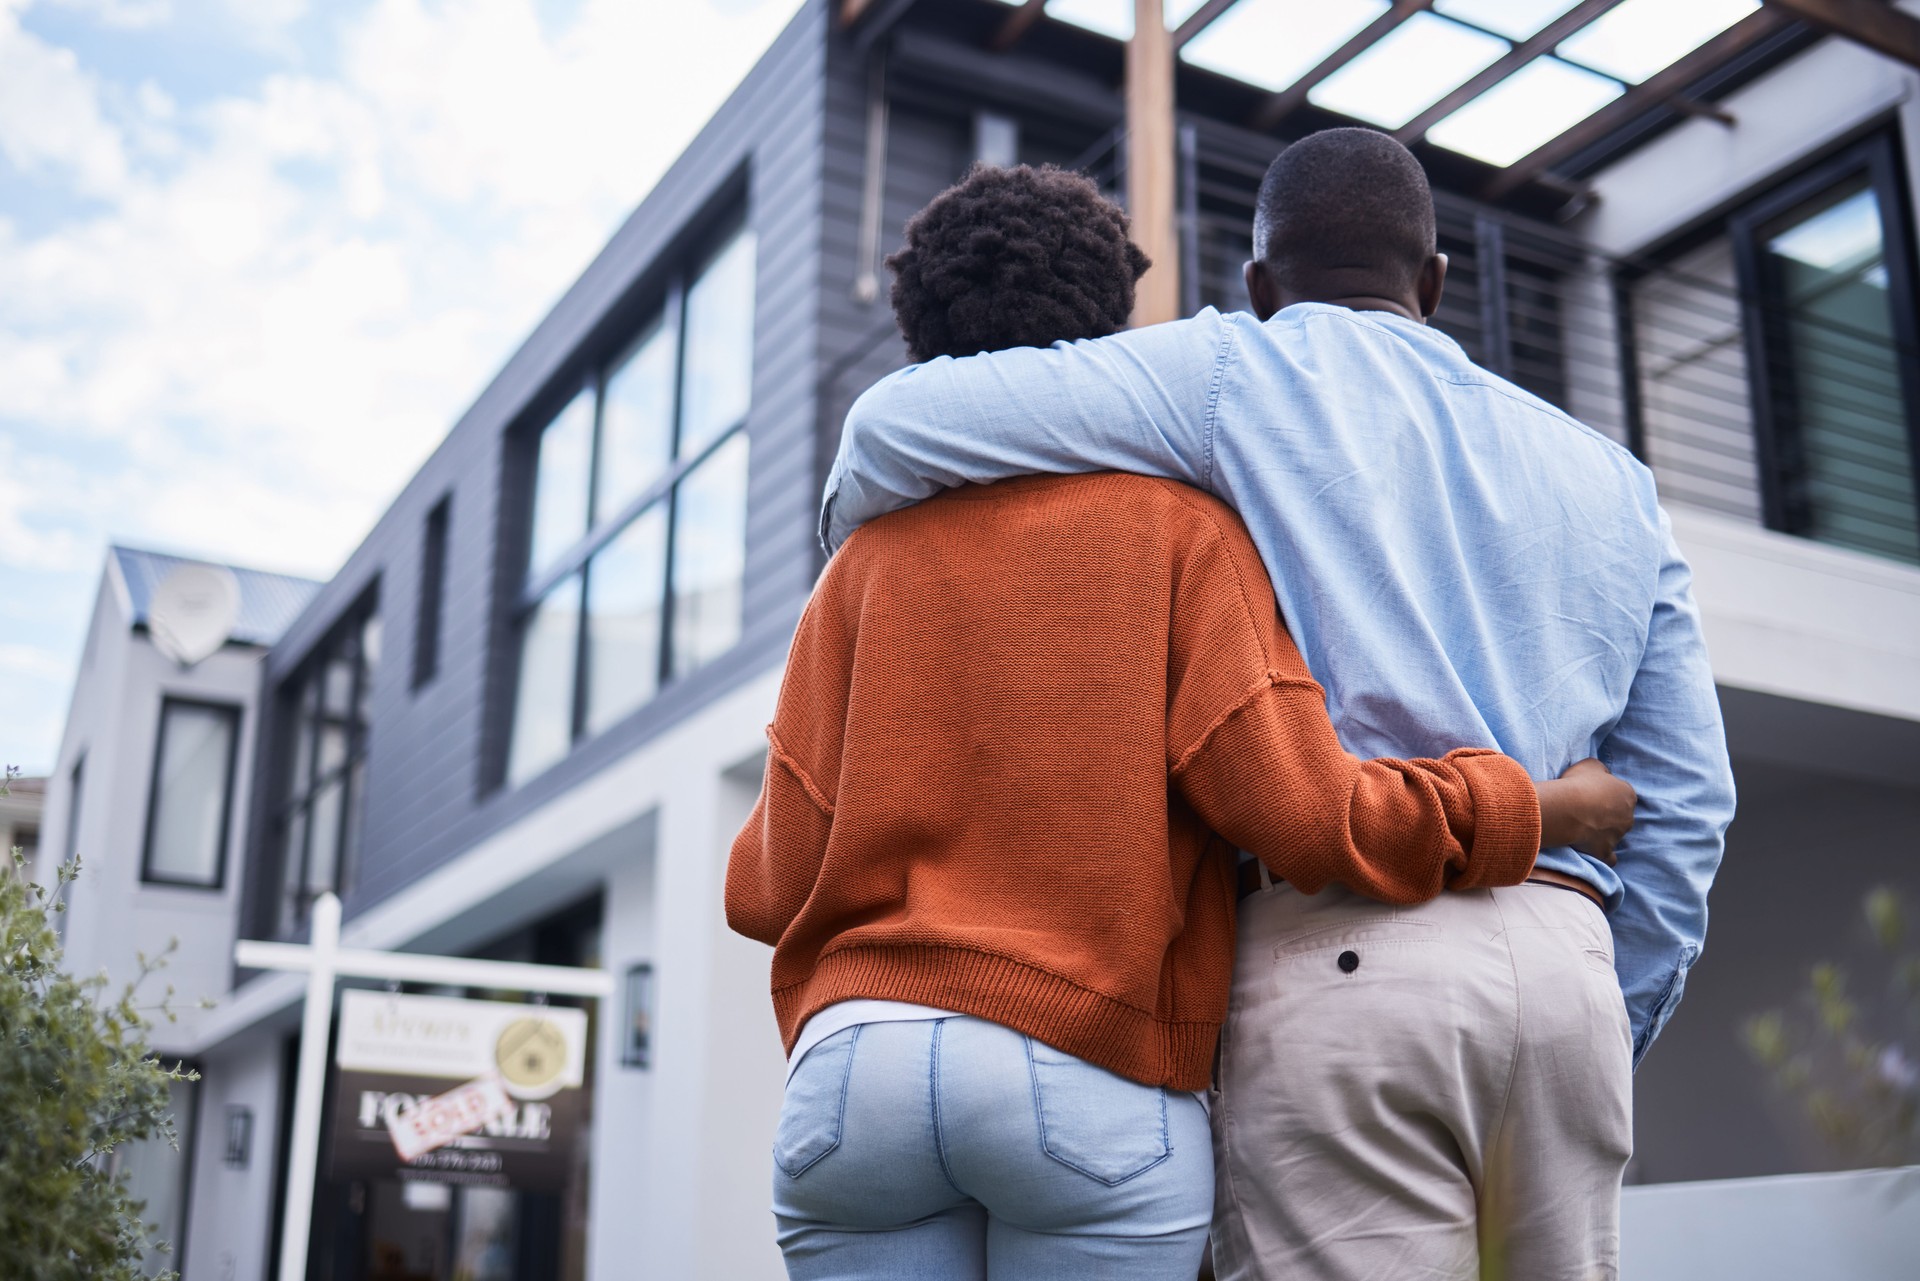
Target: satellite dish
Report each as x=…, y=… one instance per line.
x=193, y=612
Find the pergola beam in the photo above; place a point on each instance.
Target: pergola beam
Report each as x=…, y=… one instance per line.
x=1151, y=163
x=1199, y=20
x=1873, y=23
x=1294, y=96
x=1542, y=41
x=1664, y=87
x=1018, y=23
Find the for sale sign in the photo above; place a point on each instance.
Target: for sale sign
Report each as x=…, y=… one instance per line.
x=456, y=1091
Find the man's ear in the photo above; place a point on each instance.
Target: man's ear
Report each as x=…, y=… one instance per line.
x=1433, y=282
x=1262, y=294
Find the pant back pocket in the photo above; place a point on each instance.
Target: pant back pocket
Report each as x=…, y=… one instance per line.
x=1091, y=1120
x=815, y=1107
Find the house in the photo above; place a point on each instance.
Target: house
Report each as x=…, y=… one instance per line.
x=20, y=817
x=524, y=720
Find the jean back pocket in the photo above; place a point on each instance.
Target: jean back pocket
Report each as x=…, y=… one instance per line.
x=815, y=1106
x=1091, y=1120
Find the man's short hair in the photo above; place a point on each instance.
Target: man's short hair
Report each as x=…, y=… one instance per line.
x=1345, y=205
x=1017, y=257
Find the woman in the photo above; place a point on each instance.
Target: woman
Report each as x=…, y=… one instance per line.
x=1022, y=728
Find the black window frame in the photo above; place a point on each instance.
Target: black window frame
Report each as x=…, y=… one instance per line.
x=431, y=606
x=1785, y=505
x=288, y=798
x=235, y=716
x=665, y=303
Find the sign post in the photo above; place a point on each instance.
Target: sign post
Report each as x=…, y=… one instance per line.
x=323, y=960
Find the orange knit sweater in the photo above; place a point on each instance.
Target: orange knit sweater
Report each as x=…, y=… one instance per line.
x=1013, y=719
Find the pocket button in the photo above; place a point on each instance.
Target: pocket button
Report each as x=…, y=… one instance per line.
x=1349, y=961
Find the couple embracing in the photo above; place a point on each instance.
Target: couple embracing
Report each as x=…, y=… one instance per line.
x=1185, y=810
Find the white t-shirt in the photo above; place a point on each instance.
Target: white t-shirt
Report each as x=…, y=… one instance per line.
x=842, y=1015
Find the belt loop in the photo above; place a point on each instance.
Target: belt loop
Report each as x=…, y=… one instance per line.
x=1266, y=877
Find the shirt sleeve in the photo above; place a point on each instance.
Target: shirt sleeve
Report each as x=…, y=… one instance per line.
x=1140, y=401
x=1671, y=745
x=1253, y=751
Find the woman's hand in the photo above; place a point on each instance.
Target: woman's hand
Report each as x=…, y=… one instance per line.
x=1587, y=808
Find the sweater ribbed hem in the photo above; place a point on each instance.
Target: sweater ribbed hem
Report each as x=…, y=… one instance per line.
x=1506, y=819
x=1177, y=1054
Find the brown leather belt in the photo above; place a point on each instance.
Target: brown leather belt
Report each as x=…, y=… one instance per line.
x=1561, y=881
x=1248, y=881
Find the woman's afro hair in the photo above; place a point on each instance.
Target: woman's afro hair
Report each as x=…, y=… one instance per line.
x=1019, y=257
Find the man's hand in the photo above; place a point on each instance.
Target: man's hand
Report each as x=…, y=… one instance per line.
x=1587, y=808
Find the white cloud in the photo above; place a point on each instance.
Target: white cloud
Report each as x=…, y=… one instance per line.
x=129, y=14
x=267, y=307
x=50, y=116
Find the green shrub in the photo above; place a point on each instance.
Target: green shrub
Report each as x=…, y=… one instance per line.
x=77, y=1080
x=1847, y=1057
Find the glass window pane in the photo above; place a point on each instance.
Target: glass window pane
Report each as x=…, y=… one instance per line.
x=1641, y=37
x=636, y=422
x=709, y=557
x=1532, y=106
x=356, y=809
x=323, y=852
x=1514, y=19
x=305, y=717
x=560, y=483
x=333, y=747
x=293, y=897
x=336, y=680
x=1416, y=65
x=1841, y=369
x=719, y=359
x=1108, y=17
x=1272, y=43
x=370, y=635
x=543, y=706
x=626, y=587
x=190, y=794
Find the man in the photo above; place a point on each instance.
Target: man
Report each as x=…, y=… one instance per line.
x=1460, y=563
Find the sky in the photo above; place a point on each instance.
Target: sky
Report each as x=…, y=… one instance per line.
x=257, y=256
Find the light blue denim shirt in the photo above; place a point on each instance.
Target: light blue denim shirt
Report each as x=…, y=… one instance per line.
x=1462, y=564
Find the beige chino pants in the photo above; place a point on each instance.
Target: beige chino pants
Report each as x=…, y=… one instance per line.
x=1437, y=1093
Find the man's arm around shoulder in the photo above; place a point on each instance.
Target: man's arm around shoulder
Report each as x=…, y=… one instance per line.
x=1140, y=401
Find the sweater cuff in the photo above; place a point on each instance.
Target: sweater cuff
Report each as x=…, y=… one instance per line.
x=1506, y=819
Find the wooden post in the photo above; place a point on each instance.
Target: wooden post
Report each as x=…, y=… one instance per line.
x=1151, y=163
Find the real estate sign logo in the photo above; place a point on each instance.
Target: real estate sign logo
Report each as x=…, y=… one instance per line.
x=455, y=1091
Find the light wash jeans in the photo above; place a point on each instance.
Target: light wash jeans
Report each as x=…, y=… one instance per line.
x=958, y=1148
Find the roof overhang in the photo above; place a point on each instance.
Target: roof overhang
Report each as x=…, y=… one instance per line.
x=1516, y=93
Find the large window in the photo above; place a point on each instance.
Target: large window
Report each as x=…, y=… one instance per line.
x=318, y=821
x=192, y=794
x=638, y=540
x=1826, y=268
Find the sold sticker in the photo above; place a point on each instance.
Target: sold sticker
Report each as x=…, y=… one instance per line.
x=440, y=1120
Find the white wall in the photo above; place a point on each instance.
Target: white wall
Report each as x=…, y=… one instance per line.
x=1860, y=1226
x=1792, y=617
x=230, y=1213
